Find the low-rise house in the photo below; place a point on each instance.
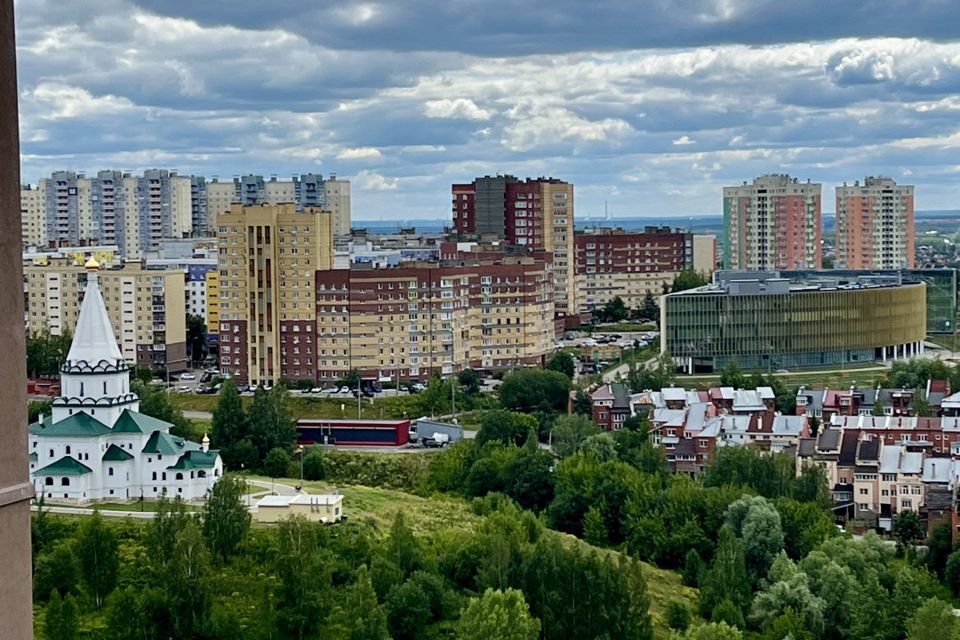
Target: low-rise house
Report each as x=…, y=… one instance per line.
x=611, y=406
x=326, y=508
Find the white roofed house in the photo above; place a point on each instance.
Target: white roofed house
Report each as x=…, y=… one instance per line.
x=96, y=445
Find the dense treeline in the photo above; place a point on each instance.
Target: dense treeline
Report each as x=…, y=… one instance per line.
x=209, y=575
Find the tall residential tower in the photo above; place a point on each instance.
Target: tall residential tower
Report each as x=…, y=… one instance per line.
x=536, y=213
x=772, y=224
x=875, y=225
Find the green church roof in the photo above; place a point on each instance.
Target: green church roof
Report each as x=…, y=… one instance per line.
x=65, y=466
x=116, y=454
x=133, y=422
x=38, y=428
x=166, y=444
x=196, y=460
x=79, y=425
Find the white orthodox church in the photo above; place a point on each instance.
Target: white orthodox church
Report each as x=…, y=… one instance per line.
x=96, y=445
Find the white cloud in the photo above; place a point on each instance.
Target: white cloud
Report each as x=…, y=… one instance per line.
x=360, y=153
x=683, y=140
x=455, y=108
x=373, y=181
x=536, y=126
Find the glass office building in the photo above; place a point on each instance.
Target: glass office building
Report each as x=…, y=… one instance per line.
x=941, y=289
x=765, y=322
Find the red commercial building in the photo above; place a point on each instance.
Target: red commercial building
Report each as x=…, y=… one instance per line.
x=375, y=433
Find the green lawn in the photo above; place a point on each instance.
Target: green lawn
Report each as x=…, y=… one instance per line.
x=862, y=376
x=147, y=505
x=623, y=327
x=300, y=406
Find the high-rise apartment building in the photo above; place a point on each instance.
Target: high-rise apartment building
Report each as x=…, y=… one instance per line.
x=269, y=256
x=534, y=213
x=146, y=307
x=875, y=228
x=304, y=191
x=33, y=228
x=134, y=212
x=631, y=264
x=415, y=319
x=773, y=223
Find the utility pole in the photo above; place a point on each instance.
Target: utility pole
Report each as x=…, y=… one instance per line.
x=453, y=398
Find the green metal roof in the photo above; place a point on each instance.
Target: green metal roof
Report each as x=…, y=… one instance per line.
x=65, y=466
x=33, y=456
x=116, y=454
x=166, y=444
x=36, y=428
x=133, y=422
x=196, y=460
x=79, y=425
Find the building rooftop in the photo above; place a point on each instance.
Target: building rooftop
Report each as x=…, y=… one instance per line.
x=770, y=283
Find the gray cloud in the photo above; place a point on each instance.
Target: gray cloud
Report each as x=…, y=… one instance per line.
x=652, y=111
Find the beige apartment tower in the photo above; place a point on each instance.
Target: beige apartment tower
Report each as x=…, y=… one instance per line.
x=875, y=225
x=268, y=259
x=146, y=308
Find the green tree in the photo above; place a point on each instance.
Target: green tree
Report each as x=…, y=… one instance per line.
x=595, y=528
x=932, y=621
x=732, y=376
x=314, y=464
x=365, y=618
x=56, y=569
x=939, y=548
x=687, y=279
x=226, y=520
x=97, y=550
x=229, y=424
x=951, y=573
x=756, y=521
x=304, y=578
x=649, y=309
x=569, y=433
x=277, y=463
x=788, y=626
x=727, y=577
x=470, y=381
x=270, y=422
x=921, y=407
x=61, y=618
x=156, y=403
x=563, y=362
x=124, y=616
x=196, y=338
x=408, y=611
x=498, y=614
x=907, y=528
x=582, y=403
x=677, y=615
x=613, y=311
x=713, y=631
x=529, y=390
x=186, y=596
x=877, y=407
x=506, y=427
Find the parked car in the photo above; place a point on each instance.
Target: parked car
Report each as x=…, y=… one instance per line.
x=344, y=390
x=188, y=376
x=316, y=390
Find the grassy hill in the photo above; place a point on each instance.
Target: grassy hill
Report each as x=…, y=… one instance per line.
x=443, y=513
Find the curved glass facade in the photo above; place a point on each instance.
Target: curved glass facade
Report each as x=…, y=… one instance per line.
x=800, y=328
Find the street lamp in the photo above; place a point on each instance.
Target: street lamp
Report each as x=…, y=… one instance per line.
x=300, y=451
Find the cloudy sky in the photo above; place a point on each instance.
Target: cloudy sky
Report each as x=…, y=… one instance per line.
x=649, y=105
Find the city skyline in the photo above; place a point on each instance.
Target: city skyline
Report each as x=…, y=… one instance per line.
x=639, y=126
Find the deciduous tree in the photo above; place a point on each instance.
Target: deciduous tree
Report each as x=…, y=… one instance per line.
x=226, y=519
x=498, y=614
